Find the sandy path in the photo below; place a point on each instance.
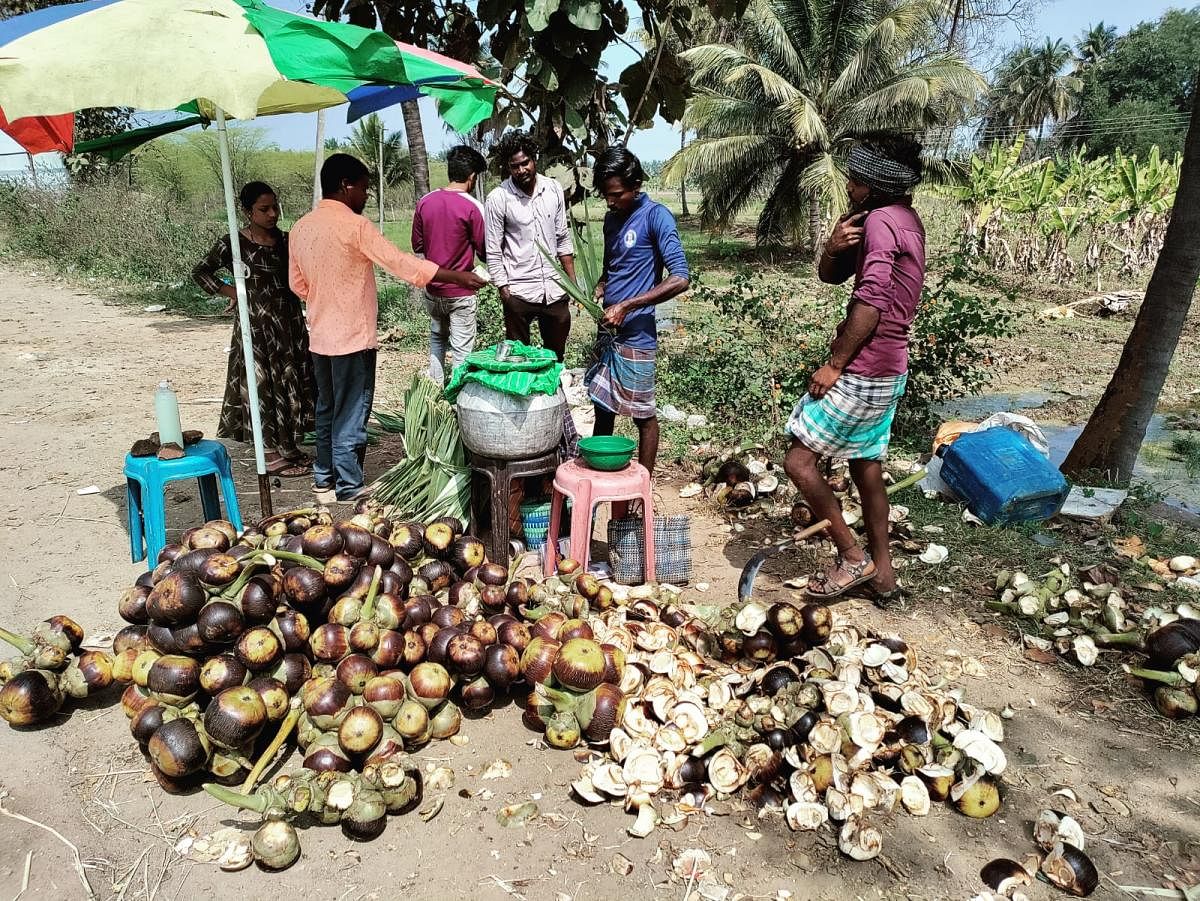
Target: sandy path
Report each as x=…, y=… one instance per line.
x=76, y=382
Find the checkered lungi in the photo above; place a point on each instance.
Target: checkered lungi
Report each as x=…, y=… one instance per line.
x=853, y=421
x=622, y=379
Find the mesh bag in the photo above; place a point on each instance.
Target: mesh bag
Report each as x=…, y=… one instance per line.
x=672, y=549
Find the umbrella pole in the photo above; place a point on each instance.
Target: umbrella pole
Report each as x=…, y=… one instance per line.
x=318, y=157
x=239, y=282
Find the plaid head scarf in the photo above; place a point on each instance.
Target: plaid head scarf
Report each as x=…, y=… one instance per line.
x=870, y=167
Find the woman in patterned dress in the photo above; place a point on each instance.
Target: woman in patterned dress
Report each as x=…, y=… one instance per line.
x=277, y=332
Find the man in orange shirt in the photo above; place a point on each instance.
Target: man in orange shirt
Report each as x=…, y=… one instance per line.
x=333, y=250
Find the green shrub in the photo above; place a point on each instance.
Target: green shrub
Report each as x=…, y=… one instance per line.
x=744, y=354
x=748, y=350
x=107, y=230
x=950, y=350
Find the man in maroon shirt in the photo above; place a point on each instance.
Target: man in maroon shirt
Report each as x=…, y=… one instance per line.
x=447, y=229
x=847, y=413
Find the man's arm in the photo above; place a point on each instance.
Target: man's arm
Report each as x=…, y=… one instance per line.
x=418, y=231
x=494, y=241
x=670, y=249
x=602, y=285
x=296, y=279
x=837, y=262
x=871, y=297
x=859, y=326
x=477, y=233
x=383, y=253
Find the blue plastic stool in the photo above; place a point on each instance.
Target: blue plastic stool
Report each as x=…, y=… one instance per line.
x=147, y=477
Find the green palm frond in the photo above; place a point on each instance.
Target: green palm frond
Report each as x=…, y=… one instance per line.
x=808, y=127
x=784, y=215
x=825, y=177
x=912, y=96
x=893, y=37
x=706, y=156
x=775, y=88
x=719, y=114
x=776, y=111
x=735, y=172
x=713, y=60
x=771, y=38
x=365, y=142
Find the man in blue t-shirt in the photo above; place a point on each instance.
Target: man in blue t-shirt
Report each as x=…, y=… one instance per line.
x=640, y=241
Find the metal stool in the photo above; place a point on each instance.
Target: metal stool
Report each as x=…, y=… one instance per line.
x=587, y=487
x=500, y=475
x=147, y=477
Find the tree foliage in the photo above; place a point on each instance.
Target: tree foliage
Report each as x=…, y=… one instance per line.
x=777, y=110
x=1096, y=42
x=548, y=55
x=365, y=142
x=1139, y=93
x=1032, y=88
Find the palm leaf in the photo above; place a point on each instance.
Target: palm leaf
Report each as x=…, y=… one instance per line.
x=776, y=110
x=589, y=268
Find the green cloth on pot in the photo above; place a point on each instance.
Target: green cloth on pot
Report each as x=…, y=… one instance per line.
x=537, y=373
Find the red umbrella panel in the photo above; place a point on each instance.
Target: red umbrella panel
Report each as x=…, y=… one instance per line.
x=41, y=134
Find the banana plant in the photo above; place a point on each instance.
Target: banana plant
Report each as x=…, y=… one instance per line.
x=1033, y=214
x=1060, y=227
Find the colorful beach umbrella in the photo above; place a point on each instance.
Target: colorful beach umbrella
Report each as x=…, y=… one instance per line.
x=240, y=57
x=41, y=134
x=464, y=96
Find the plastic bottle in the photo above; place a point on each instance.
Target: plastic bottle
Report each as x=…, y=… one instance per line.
x=166, y=411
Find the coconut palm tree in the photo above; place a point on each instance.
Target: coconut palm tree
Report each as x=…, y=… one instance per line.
x=1031, y=89
x=1046, y=94
x=1095, y=43
x=776, y=111
x=369, y=140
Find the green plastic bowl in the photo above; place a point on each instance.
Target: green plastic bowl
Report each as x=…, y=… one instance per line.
x=607, y=452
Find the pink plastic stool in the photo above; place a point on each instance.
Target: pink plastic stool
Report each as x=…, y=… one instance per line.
x=587, y=487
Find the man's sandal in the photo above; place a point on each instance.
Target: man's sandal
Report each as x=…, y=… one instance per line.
x=828, y=586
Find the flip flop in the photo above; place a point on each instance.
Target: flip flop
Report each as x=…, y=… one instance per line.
x=860, y=572
x=885, y=600
x=285, y=469
x=299, y=458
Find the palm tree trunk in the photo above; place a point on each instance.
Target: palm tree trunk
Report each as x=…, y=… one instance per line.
x=683, y=207
x=415, y=133
x=660, y=38
x=955, y=20
x=1113, y=436
x=814, y=224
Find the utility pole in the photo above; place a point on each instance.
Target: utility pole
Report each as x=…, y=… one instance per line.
x=318, y=157
x=381, y=173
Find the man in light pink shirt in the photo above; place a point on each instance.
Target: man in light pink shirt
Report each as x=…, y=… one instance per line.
x=333, y=252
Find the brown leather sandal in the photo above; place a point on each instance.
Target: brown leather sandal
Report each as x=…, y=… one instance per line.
x=827, y=586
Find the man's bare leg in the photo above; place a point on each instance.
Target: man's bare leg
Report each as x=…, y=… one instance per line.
x=801, y=467
x=868, y=476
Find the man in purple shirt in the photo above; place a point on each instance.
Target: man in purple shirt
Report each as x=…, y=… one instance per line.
x=851, y=401
x=448, y=230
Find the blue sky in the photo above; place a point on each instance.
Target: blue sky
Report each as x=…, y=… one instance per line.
x=1064, y=18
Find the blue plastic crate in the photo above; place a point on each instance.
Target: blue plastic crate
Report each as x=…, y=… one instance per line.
x=1002, y=477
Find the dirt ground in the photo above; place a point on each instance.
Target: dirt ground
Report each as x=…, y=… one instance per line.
x=76, y=384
